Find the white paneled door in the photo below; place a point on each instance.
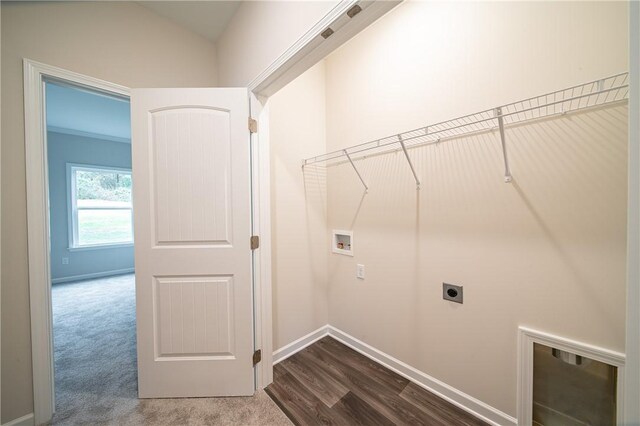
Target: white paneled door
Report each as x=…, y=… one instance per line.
x=191, y=187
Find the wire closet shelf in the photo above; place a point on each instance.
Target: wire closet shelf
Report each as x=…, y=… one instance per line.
x=595, y=93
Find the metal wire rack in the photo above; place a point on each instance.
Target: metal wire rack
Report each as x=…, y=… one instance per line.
x=587, y=95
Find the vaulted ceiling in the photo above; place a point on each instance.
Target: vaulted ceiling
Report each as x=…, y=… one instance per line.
x=79, y=111
x=207, y=18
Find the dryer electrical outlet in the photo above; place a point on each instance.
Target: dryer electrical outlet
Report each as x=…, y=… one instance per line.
x=452, y=293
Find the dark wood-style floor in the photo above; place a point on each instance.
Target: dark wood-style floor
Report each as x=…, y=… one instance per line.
x=329, y=383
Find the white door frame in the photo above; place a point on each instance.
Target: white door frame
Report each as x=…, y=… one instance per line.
x=528, y=336
x=38, y=224
x=304, y=53
x=632, y=379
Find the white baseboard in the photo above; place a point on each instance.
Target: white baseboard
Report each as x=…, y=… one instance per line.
x=296, y=346
x=22, y=421
x=92, y=276
x=449, y=393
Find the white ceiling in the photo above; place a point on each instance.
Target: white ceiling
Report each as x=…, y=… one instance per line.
x=82, y=112
x=207, y=18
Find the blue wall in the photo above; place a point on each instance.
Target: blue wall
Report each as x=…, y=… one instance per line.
x=63, y=149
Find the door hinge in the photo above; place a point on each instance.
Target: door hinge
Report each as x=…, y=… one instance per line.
x=257, y=356
x=253, y=125
x=255, y=242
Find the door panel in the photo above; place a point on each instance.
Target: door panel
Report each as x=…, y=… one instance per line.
x=194, y=317
x=192, y=168
x=191, y=182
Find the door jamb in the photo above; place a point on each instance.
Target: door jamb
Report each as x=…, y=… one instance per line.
x=38, y=224
x=632, y=379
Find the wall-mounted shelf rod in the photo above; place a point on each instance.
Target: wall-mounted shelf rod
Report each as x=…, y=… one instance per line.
x=507, y=171
x=366, y=188
x=406, y=154
x=595, y=93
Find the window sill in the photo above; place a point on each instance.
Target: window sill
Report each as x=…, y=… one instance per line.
x=100, y=246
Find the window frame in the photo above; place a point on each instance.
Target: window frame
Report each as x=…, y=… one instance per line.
x=72, y=207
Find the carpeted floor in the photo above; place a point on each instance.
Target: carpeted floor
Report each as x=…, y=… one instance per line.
x=95, y=367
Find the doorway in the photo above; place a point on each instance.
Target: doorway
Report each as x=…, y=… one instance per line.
x=302, y=54
x=88, y=139
x=131, y=409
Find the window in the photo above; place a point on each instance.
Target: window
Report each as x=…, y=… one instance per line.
x=101, y=213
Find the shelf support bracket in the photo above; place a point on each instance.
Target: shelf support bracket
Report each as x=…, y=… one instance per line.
x=507, y=171
x=366, y=188
x=406, y=154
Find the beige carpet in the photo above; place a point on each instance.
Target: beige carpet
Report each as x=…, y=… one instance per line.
x=257, y=410
x=96, y=372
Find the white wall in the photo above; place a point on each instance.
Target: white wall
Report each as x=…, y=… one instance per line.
x=121, y=42
x=547, y=251
x=259, y=33
x=298, y=208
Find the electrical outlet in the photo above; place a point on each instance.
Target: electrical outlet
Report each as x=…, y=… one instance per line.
x=452, y=293
x=360, y=271
x=65, y=260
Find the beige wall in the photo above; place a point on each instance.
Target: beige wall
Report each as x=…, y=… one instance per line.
x=260, y=32
x=119, y=42
x=558, y=230
x=546, y=251
x=298, y=208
